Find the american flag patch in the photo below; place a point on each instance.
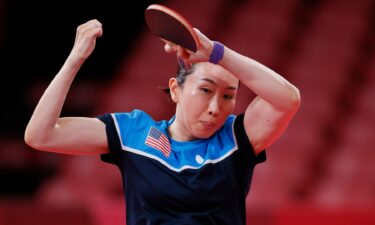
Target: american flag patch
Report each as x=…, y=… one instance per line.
x=159, y=141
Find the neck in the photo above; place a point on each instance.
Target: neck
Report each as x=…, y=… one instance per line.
x=177, y=133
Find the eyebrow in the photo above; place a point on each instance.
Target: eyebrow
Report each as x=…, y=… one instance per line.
x=214, y=83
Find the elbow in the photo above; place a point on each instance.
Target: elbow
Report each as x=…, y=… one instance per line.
x=295, y=99
x=27, y=137
x=33, y=139
x=29, y=140
x=291, y=100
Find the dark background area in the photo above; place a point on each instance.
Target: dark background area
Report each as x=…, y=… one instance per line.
x=36, y=38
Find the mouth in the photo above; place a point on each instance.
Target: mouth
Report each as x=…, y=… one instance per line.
x=207, y=125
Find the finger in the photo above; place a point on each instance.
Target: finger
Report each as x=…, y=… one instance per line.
x=170, y=48
x=92, y=26
x=188, y=65
x=97, y=28
x=182, y=53
x=197, y=30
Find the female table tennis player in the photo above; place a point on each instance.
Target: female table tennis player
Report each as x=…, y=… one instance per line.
x=193, y=168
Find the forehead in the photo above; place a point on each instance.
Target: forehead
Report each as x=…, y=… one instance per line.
x=216, y=73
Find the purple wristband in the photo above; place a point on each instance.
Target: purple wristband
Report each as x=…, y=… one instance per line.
x=217, y=53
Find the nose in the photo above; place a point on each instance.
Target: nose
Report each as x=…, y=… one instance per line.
x=214, y=107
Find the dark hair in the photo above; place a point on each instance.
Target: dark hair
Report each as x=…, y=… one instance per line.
x=180, y=77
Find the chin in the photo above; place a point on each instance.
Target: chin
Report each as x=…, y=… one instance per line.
x=204, y=135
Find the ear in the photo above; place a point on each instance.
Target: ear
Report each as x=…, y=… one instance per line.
x=174, y=89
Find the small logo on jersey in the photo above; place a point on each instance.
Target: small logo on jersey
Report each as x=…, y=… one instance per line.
x=159, y=141
x=199, y=159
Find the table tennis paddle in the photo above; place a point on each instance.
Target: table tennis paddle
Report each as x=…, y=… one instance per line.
x=171, y=27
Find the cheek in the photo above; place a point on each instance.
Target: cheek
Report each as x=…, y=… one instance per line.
x=194, y=92
x=196, y=100
x=226, y=105
x=230, y=107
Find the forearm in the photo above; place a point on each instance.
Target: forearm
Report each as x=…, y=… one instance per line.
x=265, y=82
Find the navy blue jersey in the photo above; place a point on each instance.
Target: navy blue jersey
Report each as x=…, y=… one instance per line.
x=169, y=182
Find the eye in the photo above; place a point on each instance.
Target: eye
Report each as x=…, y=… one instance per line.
x=206, y=90
x=228, y=97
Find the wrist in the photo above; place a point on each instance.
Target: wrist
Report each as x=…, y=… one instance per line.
x=217, y=53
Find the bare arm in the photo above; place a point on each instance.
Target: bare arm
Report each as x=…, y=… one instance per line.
x=268, y=115
x=73, y=135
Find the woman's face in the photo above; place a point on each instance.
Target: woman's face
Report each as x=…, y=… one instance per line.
x=204, y=101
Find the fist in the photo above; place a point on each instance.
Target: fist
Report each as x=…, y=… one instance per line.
x=85, y=40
